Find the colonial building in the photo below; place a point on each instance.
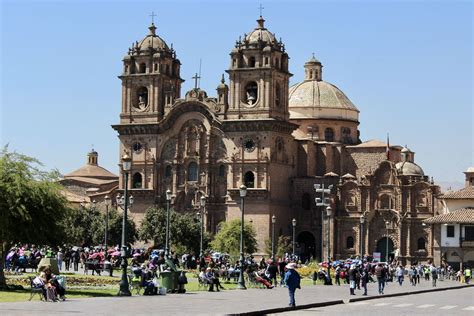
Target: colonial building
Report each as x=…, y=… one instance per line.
x=89, y=183
x=277, y=140
x=454, y=228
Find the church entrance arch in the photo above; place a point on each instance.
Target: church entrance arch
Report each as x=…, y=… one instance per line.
x=307, y=245
x=386, y=248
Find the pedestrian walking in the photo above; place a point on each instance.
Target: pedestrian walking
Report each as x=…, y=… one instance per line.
x=434, y=275
x=381, y=274
x=60, y=259
x=352, y=279
x=364, y=278
x=292, y=281
x=467, y=274
x=400, y=274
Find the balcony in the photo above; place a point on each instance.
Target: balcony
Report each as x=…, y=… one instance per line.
x=467, y=243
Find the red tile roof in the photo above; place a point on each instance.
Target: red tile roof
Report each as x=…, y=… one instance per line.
x=460, y=216
x=465, y=193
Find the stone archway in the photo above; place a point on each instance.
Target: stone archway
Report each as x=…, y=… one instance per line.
x=307, y=245
x=387, y=255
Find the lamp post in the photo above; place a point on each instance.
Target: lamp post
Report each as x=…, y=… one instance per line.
x=293, y=222
x=362, y=220
x=387, y=226
x=324, y=202
x=167, y=242
x=273, y=237
x=241, y=283
x=107, y=201
x=328, y=213
x=203, y=205
x=124, y=287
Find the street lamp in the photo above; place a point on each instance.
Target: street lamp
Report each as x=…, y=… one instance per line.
x=107, y=201
x=273, y=237
x=241, y=283
x=203, y=205
x=124, y=287
x=293, y=222
x=167, y=243
x=361, y=239
x=328, y=213
x=387, y=226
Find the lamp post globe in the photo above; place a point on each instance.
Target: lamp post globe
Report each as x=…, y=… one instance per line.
x=241, y=282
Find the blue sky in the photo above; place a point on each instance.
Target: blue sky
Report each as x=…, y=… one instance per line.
x=407, y=66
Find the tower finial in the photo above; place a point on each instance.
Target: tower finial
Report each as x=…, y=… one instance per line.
x=222, y=79
x=152, y=17
x=152, y=27
x=261, y=20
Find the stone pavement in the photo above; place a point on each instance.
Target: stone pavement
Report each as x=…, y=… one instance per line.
x=250, y=301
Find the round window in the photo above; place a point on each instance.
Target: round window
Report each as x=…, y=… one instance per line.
x=249, y=145
x=137, y=147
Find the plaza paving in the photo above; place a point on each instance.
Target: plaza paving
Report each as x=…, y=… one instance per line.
x=203, y=303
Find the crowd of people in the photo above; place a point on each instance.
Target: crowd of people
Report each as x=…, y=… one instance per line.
x=146, y=266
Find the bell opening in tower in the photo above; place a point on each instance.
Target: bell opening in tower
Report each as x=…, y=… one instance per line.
x=251, y=93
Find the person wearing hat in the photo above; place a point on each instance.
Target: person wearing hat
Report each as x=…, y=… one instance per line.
x=292, y=281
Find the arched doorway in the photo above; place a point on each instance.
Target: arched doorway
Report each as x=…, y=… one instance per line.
x=387, y=255
x=307, y=245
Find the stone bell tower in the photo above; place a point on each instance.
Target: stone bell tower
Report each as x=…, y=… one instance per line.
x=150, y=80
x=259, y=135
x=259, y=77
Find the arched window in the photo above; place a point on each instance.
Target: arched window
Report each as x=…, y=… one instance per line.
x=277, y=95
x=306, y=201
x=251, y=93
x=168, y=171
x=221, y=171
x=421, y=244
x=329, y=135
x=350, y=242
x=249, y=179
x=137, y=181
x=192, y=171
x=252, y=62
x=142, y=98
x=142, y=68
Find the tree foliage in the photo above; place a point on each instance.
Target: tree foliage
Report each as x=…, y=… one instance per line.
x=283, y=245
x=32, y=207
x=228, y=238
x=185, y=230
x=86, y=226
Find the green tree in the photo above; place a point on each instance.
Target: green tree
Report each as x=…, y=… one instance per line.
x=185, y=230
x=228, y=238
x=86, y=226
x=284, y=245
x=32, y=207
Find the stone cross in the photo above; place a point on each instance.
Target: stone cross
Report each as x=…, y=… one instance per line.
x=196, y=78
x=152, y=17
x=261, y=9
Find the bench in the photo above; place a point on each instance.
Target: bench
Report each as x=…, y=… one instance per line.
x=35, y=290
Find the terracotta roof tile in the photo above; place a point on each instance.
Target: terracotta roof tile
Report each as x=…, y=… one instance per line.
x=465, y=193
x=460, y=216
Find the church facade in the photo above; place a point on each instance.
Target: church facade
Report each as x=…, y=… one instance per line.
x=279, y=141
